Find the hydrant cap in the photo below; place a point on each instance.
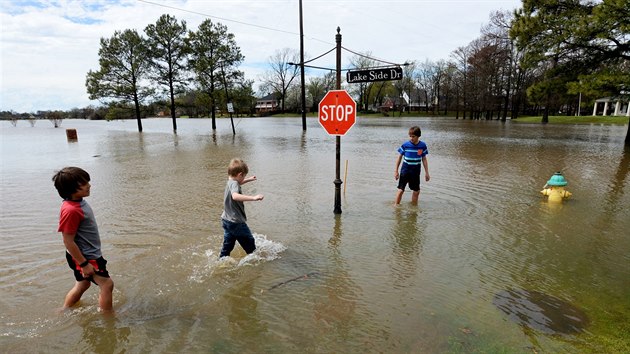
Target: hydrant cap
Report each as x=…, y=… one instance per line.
x=557, y=180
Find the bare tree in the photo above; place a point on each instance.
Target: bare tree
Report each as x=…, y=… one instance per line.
x=426, y=77
x=498, y=33
x=460, y=56
x=318, y=86
x=279, y=78
x=406, y=85
x=363, y=89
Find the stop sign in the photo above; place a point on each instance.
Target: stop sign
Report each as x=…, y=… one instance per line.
x=337, y=112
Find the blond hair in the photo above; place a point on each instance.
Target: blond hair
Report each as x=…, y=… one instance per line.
x=237, y=166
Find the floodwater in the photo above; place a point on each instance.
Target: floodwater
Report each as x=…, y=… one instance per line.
x=461, y=272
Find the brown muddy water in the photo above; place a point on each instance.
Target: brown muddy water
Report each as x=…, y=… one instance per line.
x=482, y=264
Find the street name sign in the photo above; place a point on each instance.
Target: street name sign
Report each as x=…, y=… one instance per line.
x=374, y=75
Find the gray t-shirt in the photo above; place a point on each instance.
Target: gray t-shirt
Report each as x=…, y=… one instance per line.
x=232, y=210
x=76, y=217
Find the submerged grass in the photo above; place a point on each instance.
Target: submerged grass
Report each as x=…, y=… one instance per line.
x=615, y=120
x=575, y=120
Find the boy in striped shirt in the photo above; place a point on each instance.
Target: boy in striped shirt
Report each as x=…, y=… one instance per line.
x=411, y=153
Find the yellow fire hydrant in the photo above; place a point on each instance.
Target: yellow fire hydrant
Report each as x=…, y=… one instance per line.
x=554, y=189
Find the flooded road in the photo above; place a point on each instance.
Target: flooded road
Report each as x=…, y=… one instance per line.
x=457, y=273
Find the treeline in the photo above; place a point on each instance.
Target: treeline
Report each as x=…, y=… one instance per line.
x=197, y=68
x=549, y=56
x=170, y=70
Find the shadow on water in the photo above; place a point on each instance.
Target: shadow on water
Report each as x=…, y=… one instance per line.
x=541, y=312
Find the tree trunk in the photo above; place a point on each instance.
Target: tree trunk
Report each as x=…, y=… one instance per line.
x=173, y=106
x=545, y=117
x=137, y=104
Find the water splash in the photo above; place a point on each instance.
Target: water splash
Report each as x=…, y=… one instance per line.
x=266, y=250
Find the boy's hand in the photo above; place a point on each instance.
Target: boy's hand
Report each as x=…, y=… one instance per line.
x=427, y=177
x=252, y=178
x=396, y=175
x=258, y=197
x=88, y=270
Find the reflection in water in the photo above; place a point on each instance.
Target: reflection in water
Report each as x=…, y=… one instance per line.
x=335, y=314
x=389, y=280
x=618, y=182
x=243, y=314
x=542, y=312
x=104, y=335
x=407, y=234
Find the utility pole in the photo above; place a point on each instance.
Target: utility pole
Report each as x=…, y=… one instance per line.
x=227, y=99
x=302, y=70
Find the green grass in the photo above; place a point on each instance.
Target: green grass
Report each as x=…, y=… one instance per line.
x=521, y=119
x=574, y=120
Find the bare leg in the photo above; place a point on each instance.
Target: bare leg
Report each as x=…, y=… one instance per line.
x=74, y=295
x=399, y=195
x=414, y=197
x=105, y=297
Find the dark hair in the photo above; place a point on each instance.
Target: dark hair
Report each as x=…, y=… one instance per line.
x=69, y=179
x=415, y=130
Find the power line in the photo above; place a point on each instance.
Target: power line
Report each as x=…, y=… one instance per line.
x=367, y=57
x=275, y=30
x=308, y=61
x=228, y=20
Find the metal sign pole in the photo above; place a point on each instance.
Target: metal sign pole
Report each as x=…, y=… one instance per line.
x=337, y=181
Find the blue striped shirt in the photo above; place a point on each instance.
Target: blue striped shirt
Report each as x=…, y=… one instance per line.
x=412, y=156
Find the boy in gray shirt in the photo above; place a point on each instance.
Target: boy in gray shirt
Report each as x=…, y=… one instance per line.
x=233, y=218
x=78, y=228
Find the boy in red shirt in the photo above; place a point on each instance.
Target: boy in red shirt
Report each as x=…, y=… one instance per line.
x=81, y=238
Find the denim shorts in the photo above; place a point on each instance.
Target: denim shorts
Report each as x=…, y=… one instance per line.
x=236, y=231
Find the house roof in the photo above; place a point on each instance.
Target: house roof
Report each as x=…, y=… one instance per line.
x=269, y=97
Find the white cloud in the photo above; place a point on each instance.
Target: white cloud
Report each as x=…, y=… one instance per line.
x=48, y=47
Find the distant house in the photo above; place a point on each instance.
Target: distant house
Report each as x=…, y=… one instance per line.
x=393, y=104
x=267, y=104
x=414, y=102
x=417, y=99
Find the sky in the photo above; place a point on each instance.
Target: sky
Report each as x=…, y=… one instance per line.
x=47, y=47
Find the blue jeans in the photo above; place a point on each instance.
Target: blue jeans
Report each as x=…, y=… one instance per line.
x=236, y=231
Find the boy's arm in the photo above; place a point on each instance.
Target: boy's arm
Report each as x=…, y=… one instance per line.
x=75, y=252
x=425, y=164
x=249, y=179
x=398, y=160
x=246, y=198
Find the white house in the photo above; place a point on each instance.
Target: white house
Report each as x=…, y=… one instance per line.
x=267, y=104
x=622, y=108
